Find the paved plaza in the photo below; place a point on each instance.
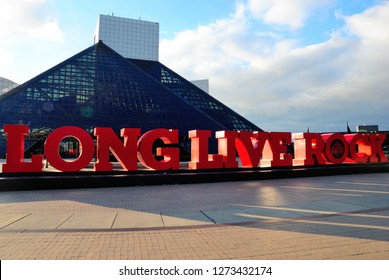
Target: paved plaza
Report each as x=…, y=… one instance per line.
x=334, y=217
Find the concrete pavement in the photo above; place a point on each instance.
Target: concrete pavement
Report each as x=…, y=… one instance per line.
x=334, y=217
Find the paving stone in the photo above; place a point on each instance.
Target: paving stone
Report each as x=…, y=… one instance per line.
x=137, y=219
x=42, y=221
x=176, y=222
x=271, y=212
x=372, y=201
x=322, y=207
x=89, y=220
x=8, y=219
x=174, y=219
x=228, y=216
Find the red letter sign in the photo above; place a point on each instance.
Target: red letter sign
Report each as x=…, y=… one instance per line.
x=199, y=150
x=125, y=153
x=264, y=149
x=356, y=142
x=250, y=146
x=15, y=151
x=308, y=148
x=171, y=155
x=86, y=148
x=335, y=148
x=226, y=147
x=376, y=152
x=276, y=153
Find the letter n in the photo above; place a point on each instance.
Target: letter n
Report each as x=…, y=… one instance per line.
x=125, y=153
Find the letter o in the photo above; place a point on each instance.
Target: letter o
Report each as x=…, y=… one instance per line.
x=336, y=147
x=86, y=148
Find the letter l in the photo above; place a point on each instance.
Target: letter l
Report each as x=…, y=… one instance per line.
x=15, y=151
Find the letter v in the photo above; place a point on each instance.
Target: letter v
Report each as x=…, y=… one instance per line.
x=249, y=146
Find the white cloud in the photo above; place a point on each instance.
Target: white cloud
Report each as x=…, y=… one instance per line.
x=6, y=57
x=24, y=25
x=28, y=18
x=369, y=26
x=47, y=31
x=290, y=13
x=281, y=85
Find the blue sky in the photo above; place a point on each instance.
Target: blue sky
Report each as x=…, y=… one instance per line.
x=284, y=65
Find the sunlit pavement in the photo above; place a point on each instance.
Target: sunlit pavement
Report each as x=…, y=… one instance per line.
x=334, y=217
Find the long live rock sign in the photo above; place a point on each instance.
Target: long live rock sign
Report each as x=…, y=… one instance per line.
x=264, y=149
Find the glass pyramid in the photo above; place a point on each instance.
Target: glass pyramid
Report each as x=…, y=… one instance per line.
x=99, y=87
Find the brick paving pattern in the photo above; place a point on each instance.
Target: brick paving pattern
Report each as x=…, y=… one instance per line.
x=336, y=217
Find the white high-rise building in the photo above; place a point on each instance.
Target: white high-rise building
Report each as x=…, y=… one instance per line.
x=6, y=85
x=131, y=38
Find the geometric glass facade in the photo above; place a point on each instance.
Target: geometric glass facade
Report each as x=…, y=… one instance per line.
x=99, y=87
x=196, y=97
